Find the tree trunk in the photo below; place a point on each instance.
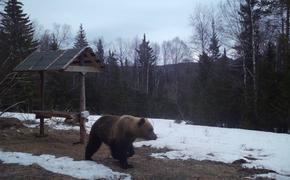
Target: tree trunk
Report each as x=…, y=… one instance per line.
x=147, y=79
x=245, y=72
x=253, y=34
x=288, y=20
x=245, y=114
x=287, y=33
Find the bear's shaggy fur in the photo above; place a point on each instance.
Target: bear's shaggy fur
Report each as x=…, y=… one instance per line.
x=119, y=133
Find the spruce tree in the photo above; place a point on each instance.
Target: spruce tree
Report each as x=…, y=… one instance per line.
x=201, y=89
x=80, y=40
x=100, y=50
x=223, y=92
x=269, y=95
x=146, y=60
x=113, y=99
x=17, y=31
x=214, y=44
x=17, y=42
x=205, y=65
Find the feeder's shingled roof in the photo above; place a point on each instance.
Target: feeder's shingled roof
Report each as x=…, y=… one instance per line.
x=49, y=60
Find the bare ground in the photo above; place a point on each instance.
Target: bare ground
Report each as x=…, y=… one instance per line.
x=60, y=143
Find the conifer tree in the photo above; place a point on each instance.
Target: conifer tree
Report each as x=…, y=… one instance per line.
x=17, y=42
x=113, y=100
x=214, y=44
x=80, y=40
x=17, y=31
x=146, y=60
x=204, y=67
x=100, y=50
x=201, y=89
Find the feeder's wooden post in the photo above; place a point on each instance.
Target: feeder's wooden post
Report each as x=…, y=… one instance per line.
x=82, y=109
x=41, y=125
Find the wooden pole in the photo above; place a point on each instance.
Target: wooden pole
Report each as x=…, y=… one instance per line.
x=82, y=109
x=41, y=125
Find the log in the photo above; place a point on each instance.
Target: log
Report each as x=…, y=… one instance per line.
x=50, y=114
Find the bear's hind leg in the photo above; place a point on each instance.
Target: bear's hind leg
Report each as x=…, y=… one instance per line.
x=92, y=147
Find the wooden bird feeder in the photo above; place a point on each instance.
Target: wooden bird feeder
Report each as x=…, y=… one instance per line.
x=81, y=61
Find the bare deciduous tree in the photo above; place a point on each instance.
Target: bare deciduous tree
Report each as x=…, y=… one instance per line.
x=44, y=41
x=175, y=51
x=200, y=22
x=121, y=48
x=62, y=34
x=229, y=11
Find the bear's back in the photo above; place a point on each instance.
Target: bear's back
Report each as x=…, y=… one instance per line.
x=102, y=128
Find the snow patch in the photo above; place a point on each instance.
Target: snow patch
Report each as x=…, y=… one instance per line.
x=271, y=176
x=54, y=122
x=63, y=165
x=260, y=149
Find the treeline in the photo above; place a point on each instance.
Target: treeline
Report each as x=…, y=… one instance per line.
x=234, y=73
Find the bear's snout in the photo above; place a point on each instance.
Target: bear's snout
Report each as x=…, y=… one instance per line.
x=152, y=136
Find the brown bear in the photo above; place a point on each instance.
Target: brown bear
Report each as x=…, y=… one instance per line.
x=119, y=133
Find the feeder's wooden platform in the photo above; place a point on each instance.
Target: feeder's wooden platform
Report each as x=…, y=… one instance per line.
x=50, y=114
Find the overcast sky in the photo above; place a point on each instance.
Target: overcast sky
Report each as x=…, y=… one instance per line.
x=111, y=19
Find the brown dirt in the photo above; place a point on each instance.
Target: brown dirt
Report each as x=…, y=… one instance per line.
x=33, y=172
x=6, y=123
x=60, y=143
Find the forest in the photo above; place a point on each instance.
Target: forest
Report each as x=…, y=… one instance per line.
x=233, y=71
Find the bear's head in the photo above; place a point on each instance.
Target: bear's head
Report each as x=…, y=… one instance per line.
x=145, y=129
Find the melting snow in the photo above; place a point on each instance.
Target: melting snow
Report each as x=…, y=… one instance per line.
x=260, y=149
x=63, y=165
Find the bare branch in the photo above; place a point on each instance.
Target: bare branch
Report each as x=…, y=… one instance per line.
x=16, y=104
x=62, y=34
x=200, y=22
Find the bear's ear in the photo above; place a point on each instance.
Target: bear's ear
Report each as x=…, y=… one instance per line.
x=141, y=122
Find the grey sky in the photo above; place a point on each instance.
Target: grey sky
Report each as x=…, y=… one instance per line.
x=110, y=19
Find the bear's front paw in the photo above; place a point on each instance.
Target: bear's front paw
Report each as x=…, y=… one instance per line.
x=126, y=166
x=130, y=153
x=129, y=166
x=88, y=159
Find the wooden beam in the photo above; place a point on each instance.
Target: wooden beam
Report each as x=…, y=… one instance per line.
x=50, y=114
x=41, y=125
x=82, y=109
x=99, y=66
x=96, y=63
x=83, y=98
x=83, y=69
